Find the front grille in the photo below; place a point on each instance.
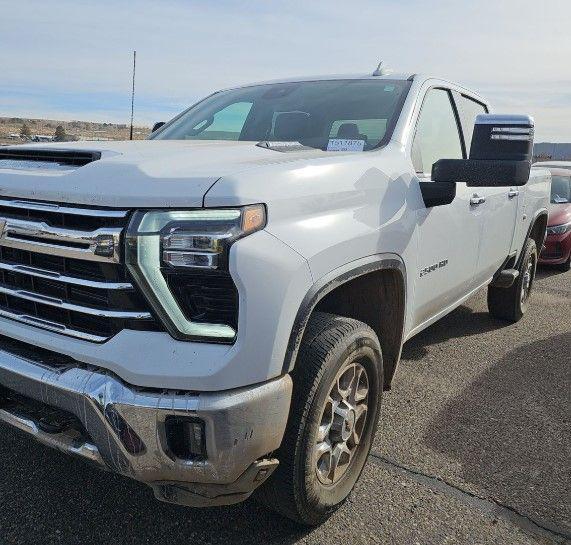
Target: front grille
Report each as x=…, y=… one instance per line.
x=61, y=270
x=37, y=355
x=553, y=252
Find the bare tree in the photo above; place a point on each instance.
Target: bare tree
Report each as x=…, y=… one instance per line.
x=60, y=134
x=25, y=132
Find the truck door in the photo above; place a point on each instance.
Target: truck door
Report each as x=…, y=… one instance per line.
x=448, y=236
x=497, y=206
x=499, y=216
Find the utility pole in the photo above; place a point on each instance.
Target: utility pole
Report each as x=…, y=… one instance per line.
x=133, y=94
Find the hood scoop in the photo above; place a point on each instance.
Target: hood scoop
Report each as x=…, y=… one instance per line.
x=45, y=159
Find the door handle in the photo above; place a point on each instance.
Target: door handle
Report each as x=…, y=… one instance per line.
x=476, y=200
x=513, y=193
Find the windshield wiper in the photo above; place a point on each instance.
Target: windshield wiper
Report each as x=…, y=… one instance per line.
x=283, y=146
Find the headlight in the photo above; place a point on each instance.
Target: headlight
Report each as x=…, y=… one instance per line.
x=559, y=229
x=172, y=252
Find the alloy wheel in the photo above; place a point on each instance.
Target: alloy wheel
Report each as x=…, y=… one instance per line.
x=342, y=423
x=528, y=277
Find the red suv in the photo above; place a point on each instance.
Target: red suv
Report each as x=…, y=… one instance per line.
x=557, y=249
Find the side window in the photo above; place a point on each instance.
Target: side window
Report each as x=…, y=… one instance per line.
x=225, y=124
x=437, y=135
x=468, y=110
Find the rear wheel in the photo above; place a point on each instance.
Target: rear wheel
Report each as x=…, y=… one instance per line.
x=511, y=303
x=333, y=418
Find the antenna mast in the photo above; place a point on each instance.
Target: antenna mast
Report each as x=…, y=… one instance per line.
x=381, y=70
x=133, y=94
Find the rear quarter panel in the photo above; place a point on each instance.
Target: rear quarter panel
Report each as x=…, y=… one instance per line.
x=534, y=201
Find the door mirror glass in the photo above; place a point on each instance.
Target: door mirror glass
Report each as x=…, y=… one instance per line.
x=157, y=126
x=500, y=153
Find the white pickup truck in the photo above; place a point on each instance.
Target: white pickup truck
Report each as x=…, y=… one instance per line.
x=220, y=307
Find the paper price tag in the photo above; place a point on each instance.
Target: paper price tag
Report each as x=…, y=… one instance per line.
x=342, y=144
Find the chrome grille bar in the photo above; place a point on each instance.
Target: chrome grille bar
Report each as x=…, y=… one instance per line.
x=50, y=275
x=61, y=270
x=51, y=326
x=53, y=302
x=57, y=208
x=99, y=245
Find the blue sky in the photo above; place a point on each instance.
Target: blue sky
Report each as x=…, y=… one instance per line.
x=71, y=59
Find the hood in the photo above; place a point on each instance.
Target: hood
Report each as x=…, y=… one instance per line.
x=559, y=214
x=147, y=173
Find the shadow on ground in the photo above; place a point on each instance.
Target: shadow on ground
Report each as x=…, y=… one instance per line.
x=501, y=426
x=545, y=271
x=463, y=322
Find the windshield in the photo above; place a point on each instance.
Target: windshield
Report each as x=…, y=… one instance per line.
x=560, y=189
x=316, y=114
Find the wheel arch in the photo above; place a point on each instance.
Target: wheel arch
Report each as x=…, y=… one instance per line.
x=372, y=290
x=537, y=230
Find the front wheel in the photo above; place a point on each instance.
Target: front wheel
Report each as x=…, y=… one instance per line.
x=511, y=303
x=333, y=418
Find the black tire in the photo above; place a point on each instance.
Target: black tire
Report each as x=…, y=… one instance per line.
x=511, y=303
x=329, y=343
x=565, y=266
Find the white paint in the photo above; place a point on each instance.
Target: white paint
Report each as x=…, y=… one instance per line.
x=325, y=211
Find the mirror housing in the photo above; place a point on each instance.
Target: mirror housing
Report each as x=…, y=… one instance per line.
x=157, y=126
x=500, y=154
x=437, y=193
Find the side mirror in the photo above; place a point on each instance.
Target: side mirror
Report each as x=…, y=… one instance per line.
x=157, y=126
x=437, y=193
x=500, y=154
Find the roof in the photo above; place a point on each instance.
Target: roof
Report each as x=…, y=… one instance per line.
x=329, y=77
x=332, y=77
x=368, y=76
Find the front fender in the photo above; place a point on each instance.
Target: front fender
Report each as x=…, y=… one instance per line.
x=334, y=280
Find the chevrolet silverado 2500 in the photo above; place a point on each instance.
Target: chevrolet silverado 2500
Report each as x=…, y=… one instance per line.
x=218, y=309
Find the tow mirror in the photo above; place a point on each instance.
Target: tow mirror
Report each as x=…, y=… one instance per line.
x=500, y=154
x=437, y=193
x=157, y=126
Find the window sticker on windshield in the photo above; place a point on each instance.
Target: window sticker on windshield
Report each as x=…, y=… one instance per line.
x=344, y=144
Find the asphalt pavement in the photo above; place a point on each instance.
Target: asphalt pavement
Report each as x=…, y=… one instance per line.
x=474, y=447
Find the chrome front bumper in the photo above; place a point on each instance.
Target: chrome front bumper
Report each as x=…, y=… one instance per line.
x=242, y=428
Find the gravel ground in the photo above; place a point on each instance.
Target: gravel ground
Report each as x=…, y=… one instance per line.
x=473, y=448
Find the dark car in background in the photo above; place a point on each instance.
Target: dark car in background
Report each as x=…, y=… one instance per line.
x=557, y=249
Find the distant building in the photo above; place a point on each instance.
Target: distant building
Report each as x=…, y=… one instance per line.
x=549, y=151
